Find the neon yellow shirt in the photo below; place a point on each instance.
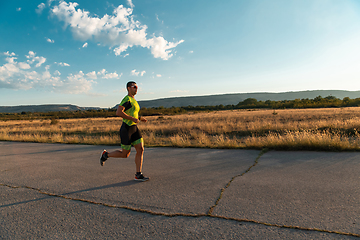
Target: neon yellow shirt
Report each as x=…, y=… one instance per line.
x=132, y=109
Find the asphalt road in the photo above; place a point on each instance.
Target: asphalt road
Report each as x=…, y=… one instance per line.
x=57, y=191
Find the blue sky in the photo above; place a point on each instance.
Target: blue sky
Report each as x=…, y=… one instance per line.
x=84, y=52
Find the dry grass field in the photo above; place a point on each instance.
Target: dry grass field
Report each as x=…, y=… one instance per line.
x=331, y=129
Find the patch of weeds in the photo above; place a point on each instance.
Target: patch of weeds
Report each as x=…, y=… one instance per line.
x=54, y=121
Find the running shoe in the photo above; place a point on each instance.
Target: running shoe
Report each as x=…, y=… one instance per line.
x=141, y=177
x=103, y=157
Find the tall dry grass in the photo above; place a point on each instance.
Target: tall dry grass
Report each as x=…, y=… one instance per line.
x=333, y=129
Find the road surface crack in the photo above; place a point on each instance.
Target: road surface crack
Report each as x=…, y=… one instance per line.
x=233, y=178
x=138, y=210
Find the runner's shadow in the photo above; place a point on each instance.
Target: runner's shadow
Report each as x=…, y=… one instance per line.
x=121, y=184
x=24, y=202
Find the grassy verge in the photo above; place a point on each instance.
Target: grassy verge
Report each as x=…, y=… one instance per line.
x=305, y=129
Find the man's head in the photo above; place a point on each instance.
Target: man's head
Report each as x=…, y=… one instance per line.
x=132, y=87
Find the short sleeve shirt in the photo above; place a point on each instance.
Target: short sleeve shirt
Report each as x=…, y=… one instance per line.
x=132, y=108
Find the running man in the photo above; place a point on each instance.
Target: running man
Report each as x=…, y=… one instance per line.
x=129, y=133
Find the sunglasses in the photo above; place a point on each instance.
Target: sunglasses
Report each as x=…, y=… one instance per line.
x=134, y=86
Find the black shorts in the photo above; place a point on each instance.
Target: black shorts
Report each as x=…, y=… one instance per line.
x=130, y=136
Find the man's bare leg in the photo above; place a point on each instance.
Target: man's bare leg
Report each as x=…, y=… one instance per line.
x=139, y=161
x=139, y=156
x=119, y=153
x=115, y=154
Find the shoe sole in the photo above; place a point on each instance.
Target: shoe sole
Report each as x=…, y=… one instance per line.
x=142, y=180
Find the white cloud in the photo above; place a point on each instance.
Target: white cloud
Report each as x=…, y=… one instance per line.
x=135, y=73
x=32, y=75
x=92, y=75
x=103, y=74
x=130, y=3
x=191, y=51
x=74, y=84
x=157, y=18
x=18, y=75
x=23, y=65
x=9, y=54
x=49, y=40
x=158, y=75
x=85, y=45
x=119, y=31
x=9, y=69
x=50, y=2
x=11, y=60
x=40, y=8
x=160, y=48
x=63, y=64
x=112, y=75
x=18, y=9
x=32, y=58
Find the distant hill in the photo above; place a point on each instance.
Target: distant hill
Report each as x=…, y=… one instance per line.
x=229, y=99
x=42, y=108
x=210, y=100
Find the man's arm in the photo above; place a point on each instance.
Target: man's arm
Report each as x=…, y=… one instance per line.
x=120, y=112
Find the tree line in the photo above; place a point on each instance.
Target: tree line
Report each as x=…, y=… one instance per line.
x=249, y=103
